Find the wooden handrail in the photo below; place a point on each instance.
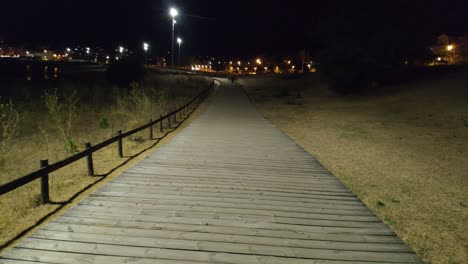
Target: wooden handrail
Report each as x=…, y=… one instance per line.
x=47, y=169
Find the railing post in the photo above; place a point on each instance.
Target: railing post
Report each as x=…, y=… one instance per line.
x=175, y=118
x=89, y=160
x=160, y=124
x=119, y=144
x=45, y=182
x=169, y=121
x=150, y=130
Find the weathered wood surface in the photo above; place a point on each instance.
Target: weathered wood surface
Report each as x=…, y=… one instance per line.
x=230, y=188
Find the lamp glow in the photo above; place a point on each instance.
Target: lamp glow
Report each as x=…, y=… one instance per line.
x=173, y=12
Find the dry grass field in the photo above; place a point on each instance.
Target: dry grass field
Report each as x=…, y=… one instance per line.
x=38, y=138
x=403, y=151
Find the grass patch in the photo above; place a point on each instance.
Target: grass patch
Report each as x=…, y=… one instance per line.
x=402, y=150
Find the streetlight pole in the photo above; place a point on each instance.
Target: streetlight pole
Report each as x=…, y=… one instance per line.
x=179, y=41
x=173, y=12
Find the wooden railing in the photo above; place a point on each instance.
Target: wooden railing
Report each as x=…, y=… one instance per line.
x=46, y=168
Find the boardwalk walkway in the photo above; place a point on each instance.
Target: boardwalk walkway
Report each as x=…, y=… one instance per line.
x=230, y=188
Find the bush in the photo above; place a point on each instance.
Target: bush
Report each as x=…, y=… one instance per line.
x=126, y=71
x=103, y=123
x=140, y=103
x=61, y=114
x=9, y=119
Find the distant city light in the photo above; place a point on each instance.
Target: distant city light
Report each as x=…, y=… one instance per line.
x=449, y=47
x=439, y=58
x=259, y=61
x=121, y=49
x=145, y=46
x=179, y=40
x=68, y=49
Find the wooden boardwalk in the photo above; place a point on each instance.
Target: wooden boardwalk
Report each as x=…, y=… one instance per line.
x=230, y=188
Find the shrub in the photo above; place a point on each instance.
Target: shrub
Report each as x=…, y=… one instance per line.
x=9, y=119
x=126, y=71
x=103, y=123
x=141, y=103
x=61, y=114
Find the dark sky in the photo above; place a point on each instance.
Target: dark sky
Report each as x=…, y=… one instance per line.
x=208, y=27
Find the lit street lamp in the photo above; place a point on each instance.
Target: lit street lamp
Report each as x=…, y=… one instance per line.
x=173, y=12
x=121, y=49
x=87, y=52
x=145, y=48
x=451, y=48
x=179, y=41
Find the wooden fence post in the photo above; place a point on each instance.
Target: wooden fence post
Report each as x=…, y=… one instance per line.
x=169, y=121
x=160, y=124
x=119, y=144
x=150, y=130
x=89, y=160
x=45, y=182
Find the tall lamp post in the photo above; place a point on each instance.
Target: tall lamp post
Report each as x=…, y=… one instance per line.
x=145, y=48
x=179, y=41
x=173, y=12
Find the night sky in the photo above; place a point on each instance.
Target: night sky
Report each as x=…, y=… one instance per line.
x=208, y=27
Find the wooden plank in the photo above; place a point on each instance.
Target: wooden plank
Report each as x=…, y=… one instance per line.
x=226, y=214
x=227, y=204
x=236, y=208
x=199, y=252
x=346, y=205
x=78, y=258
x=129, y=181
x=234, y=175
x=225, y=238
x=238, y=190
x=332, y=209
x=233, y=247
x=14, y=261
x=310, y=188
x=41, y=256
x=109, y=221
x=241, y=221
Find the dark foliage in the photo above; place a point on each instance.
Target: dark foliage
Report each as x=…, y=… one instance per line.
x=125, y=71
x=362, y=42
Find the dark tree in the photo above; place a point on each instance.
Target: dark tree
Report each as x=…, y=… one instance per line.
x=363, y=41
x=126, y=70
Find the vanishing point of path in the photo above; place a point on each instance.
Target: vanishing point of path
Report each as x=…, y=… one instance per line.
x=230, y=188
